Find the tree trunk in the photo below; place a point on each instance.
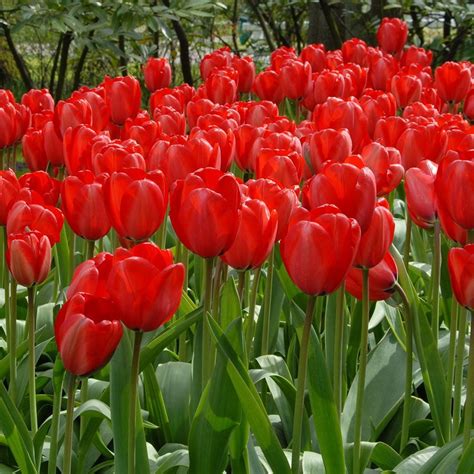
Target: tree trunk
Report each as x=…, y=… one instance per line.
x=322, y=25
x=20, y=63
x=263, y=24
x=54, y=68
x=66, y=43
x=123, y=57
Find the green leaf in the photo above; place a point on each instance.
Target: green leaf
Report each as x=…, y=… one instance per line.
x=413, y=463
x=62, y=259
x=217, y=415
x=323, y=406
x=467, y=460
x=16, y=433
x=251, y=403
x=173, y=459
x=230, y=303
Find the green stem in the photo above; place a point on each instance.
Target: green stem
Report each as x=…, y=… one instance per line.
x=69, y=425
x=455, y=309
x=241, y=287
x=84, y=395
x=252, y=304
x=362, y=370
x=206, y=335
x=216, y=290
x=458, y=371
x=31, y=358
x=267, y=303
x=435, y=279
x=90, y=249
x=72, y=251
x=132, y=414
x=406, y=248
x=338, y=343
x=469, y=389
x=12, y=348
x=53, y=450
x=162, y=231
x=299, y=401
x=183, y=353
x=408, y=370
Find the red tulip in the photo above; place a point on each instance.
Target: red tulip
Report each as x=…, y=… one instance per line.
x=77, y=148
x=171, y=122
x=385, y=163
x=259, y=113
x=8, y=125
x=388, y=131
x=100, y=110
x=205, y=211
x=84, y=206
x=381, y=71
x=295, y=78
x=414, y=55
x=136, y=202
x=223, y=140
x=382, y=279
x=283, y=166
x=91, y=276
x=72, y=113
x=197, y=108
x=28, y=257
x=42, y=184
x=355, y=51
x=6, y=97
x=329, y=145
x=38, y=100
x=255, y=236
x=146, y=286
x=392, y=35
x=215, y=60
x=267, y=86
x=356, y=78
x=246, y=137
x=406, y=89
x=9, y=189
x=277, y=198
x=376, y=105
x=315, y=55
x=324, y=239
x=461, y=274
x=350, y=186
x=326, y=84
x=87, y=333
x=33, y=150
x=157, y=73
x=454, y=231
x=221, y=86
x=453, y=81
x=47, y=220
x=53, y=144
x=420, y=193
x=376, y=240
x=108, y=155
x=123, y=96
x=337, y=113
x=246, y=69
x=469, y=105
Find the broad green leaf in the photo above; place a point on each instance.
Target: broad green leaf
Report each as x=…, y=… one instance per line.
x=168, y=461
x=466, y=464
x=313, y=463
x=323, y=406
x=230, y=303
x=251, y=403
x=445, y=459
x=412, y=464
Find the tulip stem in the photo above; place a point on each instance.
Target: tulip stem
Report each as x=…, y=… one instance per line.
x=301, y=383
x=6, y=288
x=12, y=348
x=338, y=343
x=407, y=246
x=458, y=373
x=32, y=358
x=90, y=249
x=267, y=303
x=132, y=415
x=408, y=369
x=241, y=287
x=252, y=304
x=362, y=370
x=469, y=389
x=53, y=450
x=455, y=310
x=184, y=257
x=206, y=336
x=71, y=388
x=435, y=279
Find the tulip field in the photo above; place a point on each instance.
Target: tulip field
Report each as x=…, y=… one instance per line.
x=272, y=272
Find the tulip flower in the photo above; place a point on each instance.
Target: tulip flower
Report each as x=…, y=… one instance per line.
x=28, y=257
x=143, y=130
x=406, y=89
x=283, y=166
x=267, y=86
x=259, y=113
x=255, y=236
x=33, y=150
x=414, y=55
x=469, y=105
x=392, y=35
x=47, y=220
x=157, y=73
x=420, y=193
x=381, y=71
x=72, y=113
x=246, y=68
x=216, y=60
x=205, y=211
x=376, y=240
x=173, y=98
x=38, y=100
x=350, y=186
x=354, y=50
x=9, y=189
x=382, y=279
x=77, y=148
x=223, y=140
x=108, y=156
x=123, y=96
x=84, y=207
x=136, y=202
x=43, y=185
x=329, y=145
x=315, y=55
x=171, y=122
x=295, y=79
x=388, y=131
x=53, y=143
x=377, y=105
x=453, y=81
x=100, y=110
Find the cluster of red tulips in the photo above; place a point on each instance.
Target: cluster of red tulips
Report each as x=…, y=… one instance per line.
x=310, y=171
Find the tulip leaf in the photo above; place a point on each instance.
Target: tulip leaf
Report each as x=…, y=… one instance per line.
x=412, y=464
x=251, y=403
x=62, y=259
x=16, y=433
x=323, y=406
x=170, y=460
x=157, y=345
x=381, y=454
x=217, y=415
x=230, y=303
